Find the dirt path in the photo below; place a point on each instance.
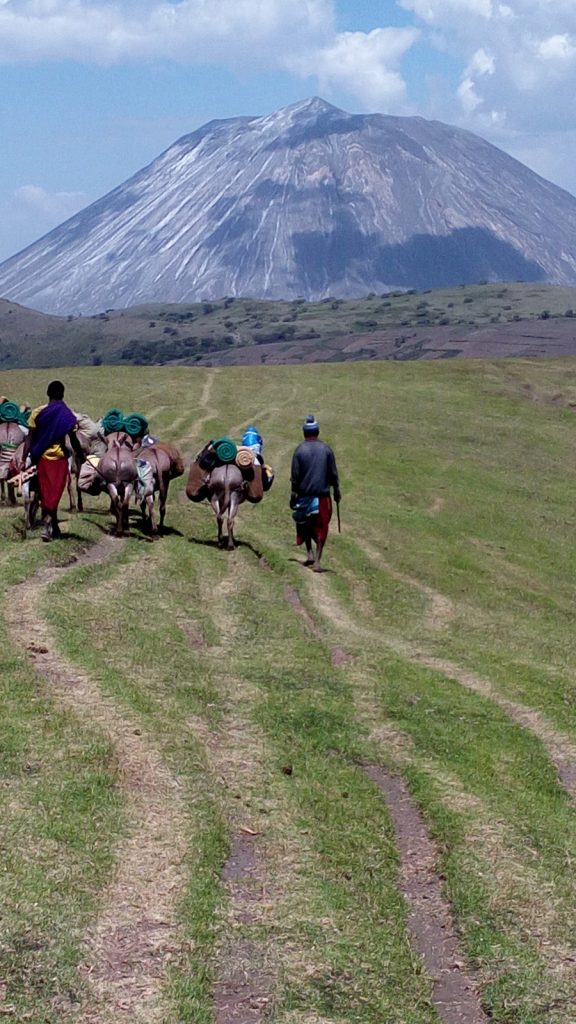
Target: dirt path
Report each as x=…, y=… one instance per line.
x=128, y=946
x=205, y=413
x=430, y=919
x=247, y=962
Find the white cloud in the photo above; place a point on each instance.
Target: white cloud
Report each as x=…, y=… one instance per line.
x=364, y=64
x=557, y=48
x=514, y=69
x=437, y=11
x=482, y=63
x=31, y=211
x=54, y=205
x=191, y=31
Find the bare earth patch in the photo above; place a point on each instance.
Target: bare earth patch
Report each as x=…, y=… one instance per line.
x=430, y=921
x=128, y=946
x=193, y=634
x=295, y=602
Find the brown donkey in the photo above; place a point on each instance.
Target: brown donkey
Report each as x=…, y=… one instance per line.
x=226, y=492
x=167, y=464
x=118, y=469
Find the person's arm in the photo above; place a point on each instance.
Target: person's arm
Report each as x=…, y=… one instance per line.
x=333, y=471
x=294, y=480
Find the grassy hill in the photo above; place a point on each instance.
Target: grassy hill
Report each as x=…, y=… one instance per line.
x=401, y=325
x=191, y=729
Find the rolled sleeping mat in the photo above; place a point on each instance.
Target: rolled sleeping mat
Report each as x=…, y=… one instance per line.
x=135, y=424
x=113, y=421
x=225, y=449
x=244, y=457
x=10, y=412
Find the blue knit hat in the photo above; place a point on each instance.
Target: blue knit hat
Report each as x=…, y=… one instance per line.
x=310, y=425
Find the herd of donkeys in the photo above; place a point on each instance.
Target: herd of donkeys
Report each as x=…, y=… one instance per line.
x=119, y=456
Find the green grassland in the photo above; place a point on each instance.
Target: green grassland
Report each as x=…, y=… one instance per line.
x=457, y=549
x=153, y=334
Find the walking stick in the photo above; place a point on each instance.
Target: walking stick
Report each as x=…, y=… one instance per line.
x=338, y=516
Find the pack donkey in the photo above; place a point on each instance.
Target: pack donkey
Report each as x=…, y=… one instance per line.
x=166, y=463
x=118, y=469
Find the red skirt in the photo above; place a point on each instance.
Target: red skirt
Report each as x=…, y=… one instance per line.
x=316, y=527
x=52, y=479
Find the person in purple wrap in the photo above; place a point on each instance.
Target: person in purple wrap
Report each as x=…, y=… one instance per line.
x=50, y=426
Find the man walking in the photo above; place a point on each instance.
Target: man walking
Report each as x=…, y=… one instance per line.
x=50, y=426
x=313, y=473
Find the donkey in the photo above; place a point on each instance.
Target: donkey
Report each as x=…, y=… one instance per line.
x=167, y=464
x=29, y=489
x=93, y=442
x=11, y=437
x=226, y=492
x=118, y=469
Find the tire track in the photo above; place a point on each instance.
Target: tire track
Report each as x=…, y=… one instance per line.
x=441, y=608
x=559, y=747
x=247, y=963
x=430, y=921
x=203, y=404
x=128, y=946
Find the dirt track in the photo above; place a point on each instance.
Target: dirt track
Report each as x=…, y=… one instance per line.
x=134, y=936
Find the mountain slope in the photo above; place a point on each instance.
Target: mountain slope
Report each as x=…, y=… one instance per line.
x=308, y=201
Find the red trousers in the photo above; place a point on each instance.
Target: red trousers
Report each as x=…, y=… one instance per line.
x=316, y=527
x=52, y=479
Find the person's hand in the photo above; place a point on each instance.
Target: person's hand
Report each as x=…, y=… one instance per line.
x=337, y=497
x=293, y=500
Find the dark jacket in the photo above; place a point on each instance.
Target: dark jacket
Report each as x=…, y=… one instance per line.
x=314, y=470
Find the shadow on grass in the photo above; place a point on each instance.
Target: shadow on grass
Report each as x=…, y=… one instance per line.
x=213, y=543
x=138, y=531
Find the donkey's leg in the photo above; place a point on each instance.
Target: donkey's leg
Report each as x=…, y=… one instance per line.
x=115, y=505
x=162, y=496
x=125, y=509
x=79, y=499
x=232, y=510
x=151, y=506
x=215, y=502
x=72, y=507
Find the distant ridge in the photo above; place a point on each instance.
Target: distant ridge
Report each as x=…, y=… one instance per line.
x=307, y=202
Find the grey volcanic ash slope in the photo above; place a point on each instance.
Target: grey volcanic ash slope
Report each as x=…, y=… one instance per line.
x=309, y=201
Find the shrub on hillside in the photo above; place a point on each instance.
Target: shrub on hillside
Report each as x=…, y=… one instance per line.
x=270, y=337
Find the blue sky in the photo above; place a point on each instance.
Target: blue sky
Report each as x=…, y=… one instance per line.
x=92, y=90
